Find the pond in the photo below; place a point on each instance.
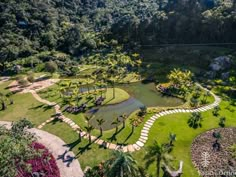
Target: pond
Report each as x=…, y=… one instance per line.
x=141, y=94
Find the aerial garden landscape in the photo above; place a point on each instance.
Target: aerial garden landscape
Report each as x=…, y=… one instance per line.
x=117, y=89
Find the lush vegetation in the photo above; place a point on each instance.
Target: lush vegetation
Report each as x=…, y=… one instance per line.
x=30, y=30
x=91, y=47
x=21, y=155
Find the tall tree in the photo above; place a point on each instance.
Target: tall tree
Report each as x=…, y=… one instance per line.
x=121, y=165
x=159, y=154
x=100, y=123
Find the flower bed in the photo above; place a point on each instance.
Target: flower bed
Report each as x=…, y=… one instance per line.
x=211, y=154
x=42, y=165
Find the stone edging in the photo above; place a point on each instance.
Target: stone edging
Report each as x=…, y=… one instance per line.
x=144, y=133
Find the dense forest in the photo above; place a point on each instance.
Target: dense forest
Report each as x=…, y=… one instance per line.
x=81, y=27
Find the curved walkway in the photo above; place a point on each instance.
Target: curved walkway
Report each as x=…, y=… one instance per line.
x=144, y=133
x=57, y=147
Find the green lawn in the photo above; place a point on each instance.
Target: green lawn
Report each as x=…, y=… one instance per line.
x=177, y=124
x=123, y=136
x=53, y=94
x=25, y=106
x=88, y=155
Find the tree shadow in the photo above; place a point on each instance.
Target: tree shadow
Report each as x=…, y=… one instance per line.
x=83, y=149
x=108, y=101
x=73, y=144
x=131, y=133
x=56, y=120
x=113, y=137
x=42, y=106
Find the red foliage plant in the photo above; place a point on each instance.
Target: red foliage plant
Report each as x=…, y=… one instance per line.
x=44, y=165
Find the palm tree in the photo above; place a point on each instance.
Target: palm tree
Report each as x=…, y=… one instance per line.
x=159, y=154
x=134, y=121
x=100, y=123
x=205, y=96
x=89, y=129
x=121, y=165
x=216, y=110
x=216, y=144
x=172, y=138
x=222, y=121
x=195, y=120
x=88, y=118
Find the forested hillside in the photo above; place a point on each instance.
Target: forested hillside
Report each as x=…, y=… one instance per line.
x=77, y=27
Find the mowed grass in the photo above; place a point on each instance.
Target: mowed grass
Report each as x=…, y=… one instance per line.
x=87, y=154
x=177, y=123
x=53, y=94
x=124, y=135
x=120, y=96
x=25, y=106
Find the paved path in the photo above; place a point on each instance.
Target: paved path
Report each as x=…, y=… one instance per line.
x=57, y=148
x=144, y=133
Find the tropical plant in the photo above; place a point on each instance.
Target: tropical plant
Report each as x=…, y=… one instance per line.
x=100, y=123
x=216, y=110
x=88, y=118
x=159, y=154
x=121, y=165
x=142, y=111
x=205, y=97
x=89, y=129
x=181, y=79
x=194, y=102
x=195, y=120
x=15, y=147
x=222, y=121
x=216, y=144
x=172, y=138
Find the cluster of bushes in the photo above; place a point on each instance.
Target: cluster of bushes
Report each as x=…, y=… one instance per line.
x=21, y=155
x=43, y=165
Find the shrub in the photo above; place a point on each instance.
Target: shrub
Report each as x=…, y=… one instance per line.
x=43, y=164
x=23, y=82
x=51, y=67
x=30, y=77
x=222, y=121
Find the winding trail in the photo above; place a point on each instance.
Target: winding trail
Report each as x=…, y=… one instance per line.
x=146, y=128
x=57, y=147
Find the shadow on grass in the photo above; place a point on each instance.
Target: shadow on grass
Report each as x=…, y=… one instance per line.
x=128, y=137
x=83, y=149
x=113, y=137
x=42, y=106
x=56, y=120
x=108, y=101
x=73, y=144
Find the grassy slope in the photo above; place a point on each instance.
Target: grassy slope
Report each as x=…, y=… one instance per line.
x=25, y=106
